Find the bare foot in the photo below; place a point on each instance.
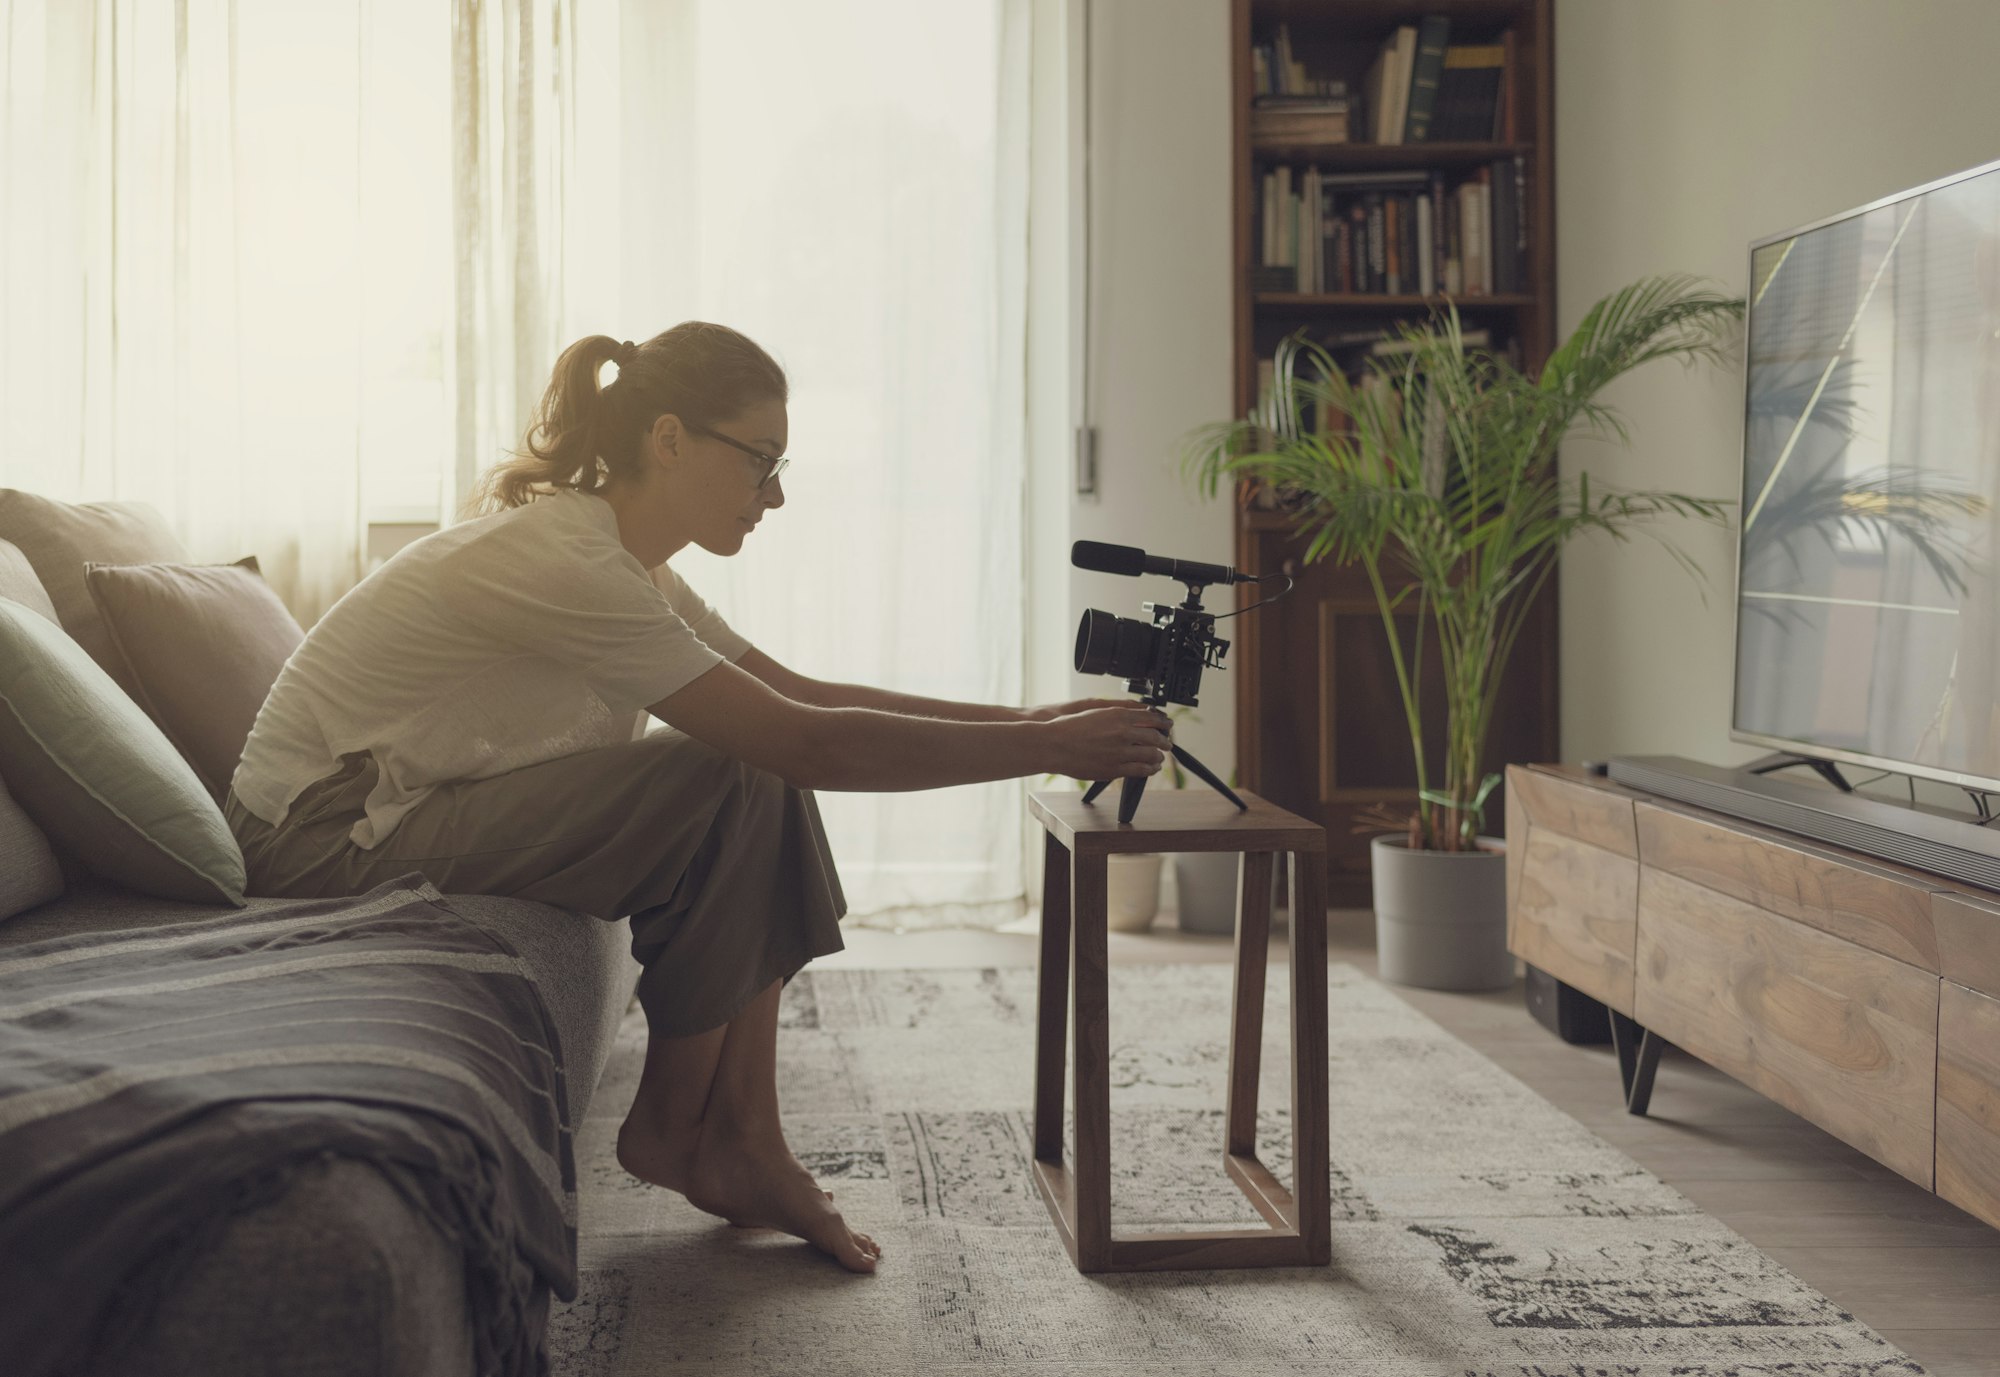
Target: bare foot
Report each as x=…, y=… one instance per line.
x=749, y=1185
x=756, y=1185
x=746, y=1224
x=654, y=1158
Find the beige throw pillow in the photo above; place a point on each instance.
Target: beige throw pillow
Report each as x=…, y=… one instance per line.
x=200, y=646
x=18, y=581
x=60, y=537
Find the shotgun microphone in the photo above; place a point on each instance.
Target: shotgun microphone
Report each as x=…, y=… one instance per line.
x=1132, y=561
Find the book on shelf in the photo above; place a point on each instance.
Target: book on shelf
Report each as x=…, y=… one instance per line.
x=1503, y=105
x=1310, y=237
x=1506, y=266
x=1387, y=86
x=1519, y=228
x=1378, y=242
x=1473, y=235
x=1433, y=36
x=1426, y=248
x=1392, y=244
x=1267, y=220
x=1287, y=251
x=1449, y=247
x=1296, y=124
x=1357, y=233
x=1468, y=104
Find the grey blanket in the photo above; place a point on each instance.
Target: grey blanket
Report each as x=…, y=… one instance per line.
x=154, y=1082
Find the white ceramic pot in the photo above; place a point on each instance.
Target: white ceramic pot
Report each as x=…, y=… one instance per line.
x=1207, y=885
x=1132, y=880
x=1441, y=916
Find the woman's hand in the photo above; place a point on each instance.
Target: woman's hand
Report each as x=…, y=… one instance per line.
x=1110, y=740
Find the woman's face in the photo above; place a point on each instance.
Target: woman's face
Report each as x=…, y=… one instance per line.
x=720, y=487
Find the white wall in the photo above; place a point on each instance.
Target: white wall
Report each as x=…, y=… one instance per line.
x=1684, y=130
x=1159, y=312
x=1053, y=326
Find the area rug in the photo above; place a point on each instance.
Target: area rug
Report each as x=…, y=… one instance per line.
x=1477, y=1230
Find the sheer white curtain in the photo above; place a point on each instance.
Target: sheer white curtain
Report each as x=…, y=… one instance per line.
x=276, y=268
x=514, y=179
x=847, y=185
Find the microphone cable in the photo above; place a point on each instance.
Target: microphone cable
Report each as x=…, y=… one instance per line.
x=1290, y=583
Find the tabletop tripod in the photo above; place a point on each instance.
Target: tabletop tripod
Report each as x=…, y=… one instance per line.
x=1135, y=786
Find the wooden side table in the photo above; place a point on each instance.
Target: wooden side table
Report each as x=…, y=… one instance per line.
x=1080, y=837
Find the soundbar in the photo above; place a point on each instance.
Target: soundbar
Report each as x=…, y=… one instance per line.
x=1958, y=849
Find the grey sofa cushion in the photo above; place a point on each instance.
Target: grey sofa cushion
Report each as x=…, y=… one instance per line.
x=587, y=977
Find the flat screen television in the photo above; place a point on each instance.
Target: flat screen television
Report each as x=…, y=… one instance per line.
x=1868, y=597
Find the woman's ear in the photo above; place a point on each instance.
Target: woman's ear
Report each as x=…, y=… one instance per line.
x=666, y=439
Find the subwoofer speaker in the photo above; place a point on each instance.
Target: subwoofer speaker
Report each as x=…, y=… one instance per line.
x=1566, y=1011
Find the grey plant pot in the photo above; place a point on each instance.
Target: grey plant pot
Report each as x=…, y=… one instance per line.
x=1441, y=916
x=1207, y=882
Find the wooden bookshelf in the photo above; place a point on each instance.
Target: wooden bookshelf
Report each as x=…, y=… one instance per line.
x=1319, y=723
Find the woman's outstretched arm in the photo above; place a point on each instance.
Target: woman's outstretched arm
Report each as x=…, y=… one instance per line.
x=819, y=693
x=870, y=750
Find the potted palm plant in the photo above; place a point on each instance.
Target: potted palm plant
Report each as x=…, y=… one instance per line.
x=1435, y=471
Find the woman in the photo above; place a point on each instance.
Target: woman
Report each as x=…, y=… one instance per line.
x=472, y=710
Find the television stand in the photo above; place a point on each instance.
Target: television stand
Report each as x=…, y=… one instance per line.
x=1862, y=994
x=1782, y=760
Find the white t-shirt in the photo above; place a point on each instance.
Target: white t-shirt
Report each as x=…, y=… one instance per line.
x=497, y=643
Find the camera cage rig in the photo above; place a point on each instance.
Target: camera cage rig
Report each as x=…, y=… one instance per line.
x=1182, y=644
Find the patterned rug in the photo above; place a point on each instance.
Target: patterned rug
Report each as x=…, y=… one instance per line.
x=1477, y=1230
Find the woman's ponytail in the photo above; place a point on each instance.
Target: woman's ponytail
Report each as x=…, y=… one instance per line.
x=582, y=434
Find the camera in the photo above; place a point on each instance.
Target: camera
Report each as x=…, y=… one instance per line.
x=1160, y=660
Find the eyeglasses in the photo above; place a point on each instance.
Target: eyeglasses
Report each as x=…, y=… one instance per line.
x=777, y=462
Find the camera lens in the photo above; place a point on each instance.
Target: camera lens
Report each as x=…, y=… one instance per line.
x=1114, y=645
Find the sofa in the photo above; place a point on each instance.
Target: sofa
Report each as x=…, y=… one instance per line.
x=337, y=1274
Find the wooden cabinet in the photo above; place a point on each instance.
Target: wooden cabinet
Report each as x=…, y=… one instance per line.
x=1862, y=995
x=1573, y=883
x=1319, y=723
x=1968, y=1101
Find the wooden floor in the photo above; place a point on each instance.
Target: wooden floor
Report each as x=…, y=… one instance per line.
x=1922, y=1273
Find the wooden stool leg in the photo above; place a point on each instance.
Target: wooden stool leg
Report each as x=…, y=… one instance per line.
x=1246, y=1014
x=1089, y=954
x=1052, y=1003
x=1309, y=1068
